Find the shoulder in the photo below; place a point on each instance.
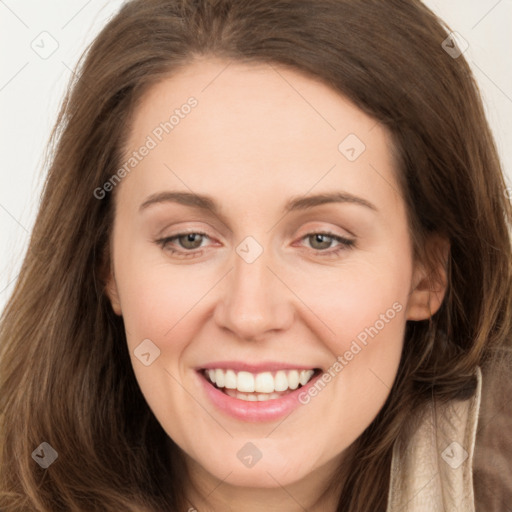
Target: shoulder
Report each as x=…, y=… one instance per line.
x=458, y=455
x=432, y=460
x=492, y=464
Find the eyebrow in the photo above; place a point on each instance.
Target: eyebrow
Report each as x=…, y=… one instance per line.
x=205, y=202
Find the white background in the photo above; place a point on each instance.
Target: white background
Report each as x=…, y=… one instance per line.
x=31, y=89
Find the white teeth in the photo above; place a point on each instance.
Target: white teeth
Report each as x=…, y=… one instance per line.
x=264, y=382
x=252, y=397
x=244, y=382
x=293, y=379
x=267, y=383
x=304, y=376
x=280, y=381
x=219, y=378
x=230, y=379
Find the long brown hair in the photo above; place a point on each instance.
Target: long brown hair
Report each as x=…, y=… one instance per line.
x=65, y=373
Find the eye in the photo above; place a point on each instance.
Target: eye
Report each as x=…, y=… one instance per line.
x=323, y=240
x=187, y=241
x=191, y=242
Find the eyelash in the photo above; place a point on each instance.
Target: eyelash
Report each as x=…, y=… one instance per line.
x=345, y=243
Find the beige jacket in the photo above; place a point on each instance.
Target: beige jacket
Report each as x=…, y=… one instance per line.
x=457, y=457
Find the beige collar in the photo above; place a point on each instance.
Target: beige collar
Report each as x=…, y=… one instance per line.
x=432, y=468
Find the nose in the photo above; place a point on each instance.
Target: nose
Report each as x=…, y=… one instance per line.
x=255, y=300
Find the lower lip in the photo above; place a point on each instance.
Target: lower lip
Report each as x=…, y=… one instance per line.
x=269, y=410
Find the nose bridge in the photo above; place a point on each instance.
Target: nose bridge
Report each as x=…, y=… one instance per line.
x=254, y=301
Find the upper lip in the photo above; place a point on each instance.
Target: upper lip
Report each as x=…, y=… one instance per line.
x=264, y=366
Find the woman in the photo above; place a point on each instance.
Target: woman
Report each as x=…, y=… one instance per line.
x=338, y=340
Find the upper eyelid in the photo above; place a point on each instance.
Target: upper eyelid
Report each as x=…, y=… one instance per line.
x=327, y=231
x=336, y=237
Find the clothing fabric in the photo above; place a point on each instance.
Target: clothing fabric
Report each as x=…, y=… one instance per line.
x=457, y=456
x=432, y=469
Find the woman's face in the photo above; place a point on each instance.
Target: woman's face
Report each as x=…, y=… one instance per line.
x=297, y=265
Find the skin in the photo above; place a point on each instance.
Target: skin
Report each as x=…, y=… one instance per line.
x=259, y=136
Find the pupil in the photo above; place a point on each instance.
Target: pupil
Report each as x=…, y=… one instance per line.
x=321, y=238
x=190, y=238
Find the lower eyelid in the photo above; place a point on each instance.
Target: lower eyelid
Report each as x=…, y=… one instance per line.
x=344, y=243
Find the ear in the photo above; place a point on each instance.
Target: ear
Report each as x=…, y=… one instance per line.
x=112, y=292
x=430, y=281
x=107, y=278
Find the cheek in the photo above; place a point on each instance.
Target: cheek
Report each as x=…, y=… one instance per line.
x=156, y=300
x=361, y=319
x=158, y=305
x=362, y=300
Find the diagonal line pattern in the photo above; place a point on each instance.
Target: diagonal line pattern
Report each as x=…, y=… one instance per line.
x=14, y=218
x=232, y=267
x=300, y=299
x=279, y=424
x=13, y=13
x=380, y=379
x=394, y=188
x=486, y=14
x=286, y=491
x=14, y=76
x=80, y=78
x=198, y=301
x=194, y=508
x=419, y=491
x=76, y=14
x=492, y=81
x=219, y=484
x=215, y=77
x=198, y=402
x=307, y=192
x=9, y=283
x=302, y=97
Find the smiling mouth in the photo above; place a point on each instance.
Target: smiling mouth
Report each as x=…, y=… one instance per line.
x=258, y=387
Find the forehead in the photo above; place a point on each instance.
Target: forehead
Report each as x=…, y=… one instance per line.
x=260, y=125
x=262, y=97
